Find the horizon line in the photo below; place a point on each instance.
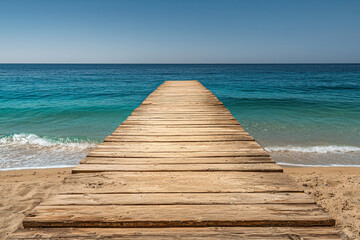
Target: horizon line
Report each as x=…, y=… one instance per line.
x=178, y=63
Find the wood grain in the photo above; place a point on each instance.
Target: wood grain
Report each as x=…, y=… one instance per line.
x=178, y=199
x=263, y=167
x=178, y=216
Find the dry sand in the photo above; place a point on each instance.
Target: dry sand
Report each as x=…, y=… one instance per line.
x=336, y=189
x=22, y=190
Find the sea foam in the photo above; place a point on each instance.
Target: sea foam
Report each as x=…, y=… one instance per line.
x=37, y=141
x=317, y=165
x=18, y=151
x=314, y=149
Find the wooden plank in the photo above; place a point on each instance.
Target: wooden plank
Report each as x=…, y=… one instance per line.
x=233, y=126
x=180, y=111
x=184, y=106
x=179, y=131
x=176, y=130
x=173, y=96
x=208, y=233
x=176, y=182
x=200, y=127
x=180, y=147
x=178, y=216
x=212, y=160
x=179, y=118
x=126, y=154
x=220, y=146
x=264, y=167
x=177, y=110
x=181, y=122
x=189, y=106
x=180, y=102
x=178, y=199
x=143, y=113
x=172, y=138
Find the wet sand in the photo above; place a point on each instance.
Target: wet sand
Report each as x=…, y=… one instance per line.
x=336, y=189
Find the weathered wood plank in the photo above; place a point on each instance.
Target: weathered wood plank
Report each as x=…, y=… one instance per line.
x=178, y=216
x=180, y=103
x=220, y=146
x=143, y=113
x=263, y=167
x=177, y=110
x=233, y=126
x=181, y=122
x=172, y=138
x=204, y=160
x=179, y=131
x=176, y=182
x=127, y=154
x=178, y=199
x=179, y=118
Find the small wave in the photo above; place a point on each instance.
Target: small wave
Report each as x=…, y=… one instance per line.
x=19, y=151
x=38, y=167
x=317, y=165
x=37, y=141
x=314, y=149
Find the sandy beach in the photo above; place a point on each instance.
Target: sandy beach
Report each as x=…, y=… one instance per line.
x=22, y=190
x=336, y=189
x=191, y=120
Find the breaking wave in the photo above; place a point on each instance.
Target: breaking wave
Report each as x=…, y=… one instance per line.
x=30, y=150
x=317, y=165
x=314, y=149
x=33, y=140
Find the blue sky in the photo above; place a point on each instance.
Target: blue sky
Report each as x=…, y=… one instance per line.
x=306, y=31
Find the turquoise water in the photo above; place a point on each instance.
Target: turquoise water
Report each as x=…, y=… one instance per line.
x=52, y=114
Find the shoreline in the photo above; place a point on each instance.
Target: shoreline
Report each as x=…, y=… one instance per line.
x=37, y=168
x=334, y=188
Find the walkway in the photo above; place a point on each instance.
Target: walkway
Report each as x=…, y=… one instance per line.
x=180, y=167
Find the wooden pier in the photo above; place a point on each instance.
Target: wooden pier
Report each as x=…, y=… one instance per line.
x=180, y=167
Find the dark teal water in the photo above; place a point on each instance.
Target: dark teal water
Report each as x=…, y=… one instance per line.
x=52, y=114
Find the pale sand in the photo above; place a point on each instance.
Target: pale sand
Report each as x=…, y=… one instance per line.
x=22, y=190
x=336, y=189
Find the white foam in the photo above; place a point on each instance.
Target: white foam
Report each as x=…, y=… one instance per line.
x=37, y=141
x=314, y=149
x=27, y=151
x=317, y=165
x=38, y=167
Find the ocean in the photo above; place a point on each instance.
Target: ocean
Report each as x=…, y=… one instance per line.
x=51, y=115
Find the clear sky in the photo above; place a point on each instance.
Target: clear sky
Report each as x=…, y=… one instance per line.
x=196, y=31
